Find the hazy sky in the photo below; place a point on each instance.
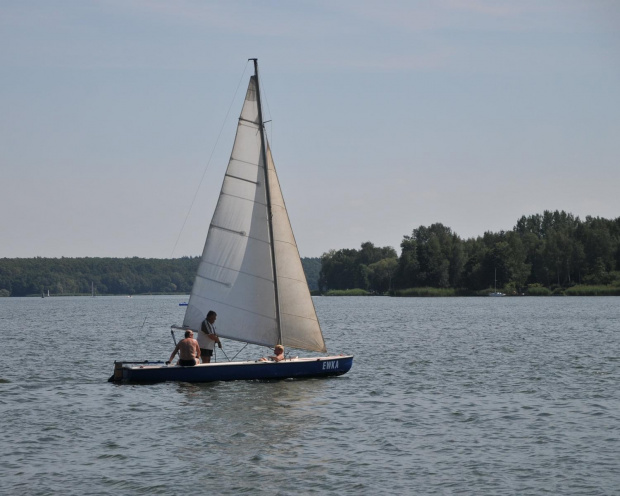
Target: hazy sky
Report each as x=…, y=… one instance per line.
x=386, y=115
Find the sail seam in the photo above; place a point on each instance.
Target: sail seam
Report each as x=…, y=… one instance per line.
x=241, y=309
x=251, y=200
x=291, y=279
x=232, y=270
x=246, y=162
x=240, y=233
x=300, y=316
x=286, y=242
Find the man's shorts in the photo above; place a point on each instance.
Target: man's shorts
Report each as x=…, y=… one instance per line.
x=187, y=363
x=205, y=353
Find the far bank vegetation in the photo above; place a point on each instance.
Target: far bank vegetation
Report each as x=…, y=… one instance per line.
x=550, y=254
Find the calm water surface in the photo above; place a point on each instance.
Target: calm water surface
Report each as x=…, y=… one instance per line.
x=481, y=396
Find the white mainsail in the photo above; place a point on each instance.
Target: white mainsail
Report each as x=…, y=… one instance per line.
x=235, y=277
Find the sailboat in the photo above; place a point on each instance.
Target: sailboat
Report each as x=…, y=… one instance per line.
x=250, y=273
x=495, y=293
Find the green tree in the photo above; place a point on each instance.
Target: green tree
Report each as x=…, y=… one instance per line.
x=431, y=256
x=381, y=274
x=349, y=268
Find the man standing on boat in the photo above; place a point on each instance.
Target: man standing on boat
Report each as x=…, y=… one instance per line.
x=207, y=337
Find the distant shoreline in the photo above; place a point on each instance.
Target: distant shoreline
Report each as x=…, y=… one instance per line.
x=581, y=290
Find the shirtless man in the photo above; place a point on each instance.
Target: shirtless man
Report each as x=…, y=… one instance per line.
x=188, y=350
x=278, y=354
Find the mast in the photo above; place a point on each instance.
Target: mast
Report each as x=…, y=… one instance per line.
x=263, y=152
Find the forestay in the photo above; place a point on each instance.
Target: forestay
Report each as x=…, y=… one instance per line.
x=236, y=273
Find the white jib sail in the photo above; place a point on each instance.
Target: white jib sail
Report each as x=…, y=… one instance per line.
x=235, y=274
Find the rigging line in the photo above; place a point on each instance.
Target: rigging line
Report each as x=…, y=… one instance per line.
x=204, y=173
x=222, y=350
x=263, y=91
x=246, y=345
x=141, y=329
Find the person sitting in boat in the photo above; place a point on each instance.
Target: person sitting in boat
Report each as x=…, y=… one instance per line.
x=207, y=337
x=188, y=350
x=278, y=354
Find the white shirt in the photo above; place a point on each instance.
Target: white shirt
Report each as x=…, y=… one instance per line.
x=203, y=341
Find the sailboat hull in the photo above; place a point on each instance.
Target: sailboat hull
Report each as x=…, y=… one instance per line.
x=149, y=372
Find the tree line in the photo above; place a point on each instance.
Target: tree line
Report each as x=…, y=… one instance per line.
x=74, y=276
x=108, y=276
x=552, y=250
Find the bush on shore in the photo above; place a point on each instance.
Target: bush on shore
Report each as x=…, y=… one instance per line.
x=347, y=292
x=538, y=290
x=424, y=292
x=584, y=290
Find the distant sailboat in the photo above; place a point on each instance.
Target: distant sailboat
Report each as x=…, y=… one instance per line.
x=250, y=273
x=92, y=289
x=495, y=293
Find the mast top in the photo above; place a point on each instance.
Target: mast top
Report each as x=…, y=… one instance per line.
x=255, y=67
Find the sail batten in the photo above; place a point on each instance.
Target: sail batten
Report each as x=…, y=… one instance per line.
x=240, y=233
x=242, y=179
x=224, y=283
x=221, y=282
x=250, y=272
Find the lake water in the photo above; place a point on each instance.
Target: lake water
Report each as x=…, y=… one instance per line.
x=480, y=396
